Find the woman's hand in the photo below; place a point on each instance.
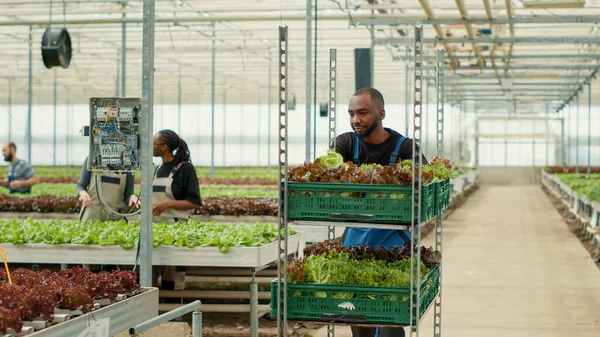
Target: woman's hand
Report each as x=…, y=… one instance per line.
x=85, y=199
x=159, y=207
x=134, y=201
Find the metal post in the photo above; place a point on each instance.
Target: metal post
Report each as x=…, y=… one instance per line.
x=308, y=99
x=577, y=135
x=506, y=146
x=269, y=103
x=332, y=135
x=29, y=97
x=563, y=147
x=146, y=129
x=162, y=109
x=547, y=136
x=569, y=126
x=533, y=153
x=589, y=157
x=9, y=111
x=426, y=117
x=123, y=53
x=282, y=160
x=459, y=129
x=451, y=136
x=54, y=125
x=415, y=271
x=224, y=125
x=179, y=99
x=253, y=306
x=332, y=98
x=259, y=133
x=406, y=93
x=197, y=324
x=439, y=221
x=315, y=85
x=372, y=52
x=212, y=100
x=117, y=79
x=67, y=138
x=476, y=142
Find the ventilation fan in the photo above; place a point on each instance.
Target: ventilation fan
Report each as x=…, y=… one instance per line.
x=56, y=48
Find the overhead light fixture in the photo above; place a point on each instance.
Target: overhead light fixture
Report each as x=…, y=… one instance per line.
x=546, y=4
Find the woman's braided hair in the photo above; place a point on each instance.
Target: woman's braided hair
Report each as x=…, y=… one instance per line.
x=177, y=146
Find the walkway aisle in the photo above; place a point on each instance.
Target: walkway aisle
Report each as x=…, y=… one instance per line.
x=512, y=268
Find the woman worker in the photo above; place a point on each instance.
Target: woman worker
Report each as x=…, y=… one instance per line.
x=175, y=193
x=117, y=191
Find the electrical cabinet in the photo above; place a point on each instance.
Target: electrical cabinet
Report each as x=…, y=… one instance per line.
x=114, y=134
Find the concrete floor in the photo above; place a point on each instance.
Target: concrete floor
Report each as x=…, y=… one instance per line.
x=512, y=268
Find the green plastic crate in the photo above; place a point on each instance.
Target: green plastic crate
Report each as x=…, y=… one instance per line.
x=442, y=196
x=357, y=202
x=371, y=305
x=447, y=188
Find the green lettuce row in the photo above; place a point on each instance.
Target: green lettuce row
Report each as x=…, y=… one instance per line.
x=582, y=185
x=120, y=233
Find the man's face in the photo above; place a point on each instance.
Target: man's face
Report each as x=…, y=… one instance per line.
x=365, y=115
x=7, y=152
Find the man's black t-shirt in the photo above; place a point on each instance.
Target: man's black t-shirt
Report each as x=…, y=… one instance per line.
x=374, y=153
x=185, y=182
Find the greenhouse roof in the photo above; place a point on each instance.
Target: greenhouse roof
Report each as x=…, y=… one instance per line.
x=520, y=55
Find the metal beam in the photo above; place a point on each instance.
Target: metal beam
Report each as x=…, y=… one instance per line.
x=496, y=89
x=393, y=20
x=438, y=29
x=523, y=56
x=536, y=67
x=499, y=40
x=530, y=76
x=526, y=84
x=519, y=118
x=592, y=75
x=377, y=20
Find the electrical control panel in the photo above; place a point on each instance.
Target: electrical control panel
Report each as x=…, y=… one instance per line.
x=114, y=134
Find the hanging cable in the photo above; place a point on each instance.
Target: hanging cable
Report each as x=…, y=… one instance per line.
x=50, y=16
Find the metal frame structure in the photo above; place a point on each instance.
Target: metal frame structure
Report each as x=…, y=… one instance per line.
x=109, y=41
x=416, y=222
x=439, y=220
x=282, y=159
x=417, y=170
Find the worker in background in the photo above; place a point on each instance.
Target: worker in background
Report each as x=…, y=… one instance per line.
x=117, y=192
x=20, y=176
x=175, y=193
x=371, y=143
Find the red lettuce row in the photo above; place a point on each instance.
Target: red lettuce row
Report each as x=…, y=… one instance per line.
x=212, y=206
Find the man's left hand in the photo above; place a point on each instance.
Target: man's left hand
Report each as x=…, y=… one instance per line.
x=159, y=207
x=16, y=184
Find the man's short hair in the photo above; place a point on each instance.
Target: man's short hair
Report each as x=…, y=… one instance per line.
x=373, y=93
x=12, y=145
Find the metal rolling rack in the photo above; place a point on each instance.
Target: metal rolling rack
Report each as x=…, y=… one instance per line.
x=417, y=170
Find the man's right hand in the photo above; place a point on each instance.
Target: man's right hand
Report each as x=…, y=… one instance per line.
x=85, y=199
x=4, y=182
